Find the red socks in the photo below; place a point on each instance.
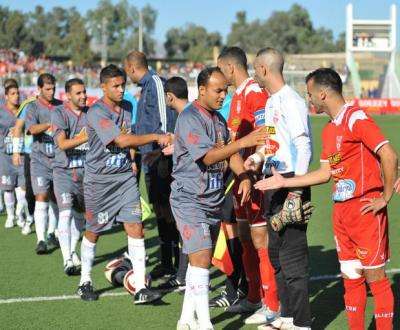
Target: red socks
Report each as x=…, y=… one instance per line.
x=384, y=303
x=355, y=299
x=250, y=265
x=267, y=274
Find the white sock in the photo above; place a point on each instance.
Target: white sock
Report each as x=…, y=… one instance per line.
x=137, y=255
x=9, y=201
x=22, y=204
x=88, y=251
x=188, y=307
x=198, y=282
x=64, y=233
x=77, y=226
x=53, y=217
x=41, y=216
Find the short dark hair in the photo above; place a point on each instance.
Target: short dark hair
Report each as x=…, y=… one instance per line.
x=205, y=75
x=46, y=78
x=326, y=77
x=111, y=71
x=235, y=53
x=178, y=87
x=9, y=87
x=72, y=82
x=10, y=82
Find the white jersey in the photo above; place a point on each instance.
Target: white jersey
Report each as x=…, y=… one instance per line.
x=289, y=145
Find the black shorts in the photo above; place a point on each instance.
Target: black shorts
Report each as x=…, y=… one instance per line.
x=228, y=211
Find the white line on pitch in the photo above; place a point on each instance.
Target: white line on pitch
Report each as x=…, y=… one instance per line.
x=53, y=298
x=118, y=294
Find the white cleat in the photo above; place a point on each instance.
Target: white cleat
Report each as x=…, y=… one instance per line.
x=262, y=316
x=26, y=229
x=75, y=259
x=20, y=222
x=9, y=223
x=192, y=325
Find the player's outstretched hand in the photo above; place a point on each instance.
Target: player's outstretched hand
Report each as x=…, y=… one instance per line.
x=244, y=190
x=276, y=181
x=373, y=205
x=255, y=138
x=397, y=186
x=163, y=140
x=168, y=151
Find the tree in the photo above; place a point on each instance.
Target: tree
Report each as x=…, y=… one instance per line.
x=290, y=31
x=192, y=42
x=12, y=28
x=122, y=26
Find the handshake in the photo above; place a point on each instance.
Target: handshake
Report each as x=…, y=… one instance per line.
x=293, y=212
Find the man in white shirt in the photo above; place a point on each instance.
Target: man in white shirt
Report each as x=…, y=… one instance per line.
x=288, y=150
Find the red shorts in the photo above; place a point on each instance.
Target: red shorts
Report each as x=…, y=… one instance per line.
x=251, y=211
x=361, y=237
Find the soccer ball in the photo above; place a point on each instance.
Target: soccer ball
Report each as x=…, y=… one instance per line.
x=129, y=283
x=116, y=269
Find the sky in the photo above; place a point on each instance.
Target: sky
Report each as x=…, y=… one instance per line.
x=218, y=15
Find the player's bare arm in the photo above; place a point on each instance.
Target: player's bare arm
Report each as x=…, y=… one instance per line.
x=64, y=143
x=37, y=129
x=237, y=167
x=389, y=163
x=133, y=141
x=215, y=155
x=17, y=136
x=277, y=181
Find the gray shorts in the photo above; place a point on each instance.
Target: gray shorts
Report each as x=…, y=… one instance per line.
x=111, y=198
x=68, y=188
x=41, y=174
x=10, y=176
x=196, y=227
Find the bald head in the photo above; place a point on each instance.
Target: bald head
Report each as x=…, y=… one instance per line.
x=136, y=65
x=137, y=58
x=271, y=58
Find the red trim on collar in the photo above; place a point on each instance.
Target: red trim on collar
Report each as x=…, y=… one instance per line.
x=67, y=106
x=199, y=107
x=42, y=101
x=111, y=108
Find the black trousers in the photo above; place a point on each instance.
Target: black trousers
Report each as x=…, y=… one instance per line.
x=30, y=197
x=288, y=252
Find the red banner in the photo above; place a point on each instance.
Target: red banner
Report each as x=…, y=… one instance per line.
x=378, y=106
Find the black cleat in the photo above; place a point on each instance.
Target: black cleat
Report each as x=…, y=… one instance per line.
x=223, y=300
x=145, y=296
x=52, y=241
x=41, y=248
x=69, y=268
x=159, y=271
x=86, y=292
x=172, y=285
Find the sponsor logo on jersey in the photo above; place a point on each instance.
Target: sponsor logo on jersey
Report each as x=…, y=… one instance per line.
x=271, y=147
x=335, y=159
x=236, y=121
x=344, y=190
x=271, y=130
x=259, y=117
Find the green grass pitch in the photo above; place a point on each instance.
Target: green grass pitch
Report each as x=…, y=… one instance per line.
x=24, y=274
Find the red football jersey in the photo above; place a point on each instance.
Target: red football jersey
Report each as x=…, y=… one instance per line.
x=247, y=99
x=349, y=144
